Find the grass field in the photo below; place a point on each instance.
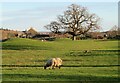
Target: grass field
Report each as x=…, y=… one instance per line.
x=23, y=60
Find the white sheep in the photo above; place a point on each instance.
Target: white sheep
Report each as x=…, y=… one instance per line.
x=54, y=62
x=58, y=62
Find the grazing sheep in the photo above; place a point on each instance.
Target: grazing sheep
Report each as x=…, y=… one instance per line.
x=54, y=62
x=87, y=51
x=50, y=63
x=58, y=63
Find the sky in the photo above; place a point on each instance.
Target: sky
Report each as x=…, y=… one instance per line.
x=23, y=15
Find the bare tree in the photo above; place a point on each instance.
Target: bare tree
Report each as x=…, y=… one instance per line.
x=54, y=27
x=77, y=20
x=113, y=32
x=114, y=28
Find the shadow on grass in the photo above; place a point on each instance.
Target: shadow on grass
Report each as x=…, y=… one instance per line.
x=62, y=65
x=92, y=53
x=49, y=77
x=106, y=50
x=23, y=47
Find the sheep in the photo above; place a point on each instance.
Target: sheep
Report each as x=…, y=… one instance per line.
x=54, y=62
x=58, y=63
x=87, y=51
x=50, y=63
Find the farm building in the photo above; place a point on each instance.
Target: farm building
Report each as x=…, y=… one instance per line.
x=31, y=32
x=44, y=36
x=27, y=34
x=21, y=34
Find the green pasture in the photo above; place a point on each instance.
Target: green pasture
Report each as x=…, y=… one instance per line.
x=23, y=60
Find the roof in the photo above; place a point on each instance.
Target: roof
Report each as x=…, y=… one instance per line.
x=32, y=31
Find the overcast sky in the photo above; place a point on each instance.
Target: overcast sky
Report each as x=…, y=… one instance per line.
x=23, y=15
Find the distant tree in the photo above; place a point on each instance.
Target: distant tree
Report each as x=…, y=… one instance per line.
x=77, y=21
x=114, y=28
x=113, y=32
x=54, y=27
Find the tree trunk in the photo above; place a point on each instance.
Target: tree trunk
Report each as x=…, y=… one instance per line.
x=74, y=37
